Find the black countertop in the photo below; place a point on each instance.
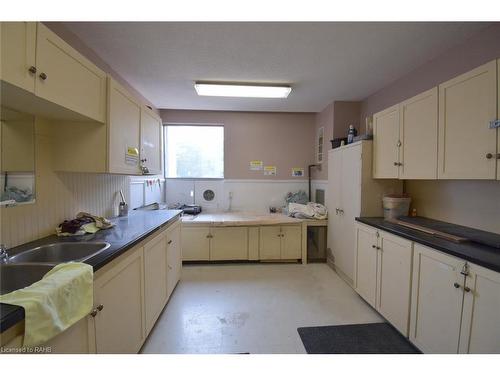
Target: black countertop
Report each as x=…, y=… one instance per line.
x=127, y=232
x=477, y=253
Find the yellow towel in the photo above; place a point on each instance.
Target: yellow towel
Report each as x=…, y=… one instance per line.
x=59, y=300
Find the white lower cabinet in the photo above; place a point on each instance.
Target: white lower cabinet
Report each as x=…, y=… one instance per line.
x=195, y=243
x=229, y=243
x=383, y=274
x=174, y=257
x=280, y=242
x=119, y=295
x=480, y=332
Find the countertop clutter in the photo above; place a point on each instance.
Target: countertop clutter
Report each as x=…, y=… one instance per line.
x=473, y=251
x=127, y=232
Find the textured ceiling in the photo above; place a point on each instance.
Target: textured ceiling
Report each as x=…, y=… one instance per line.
x=322, y=61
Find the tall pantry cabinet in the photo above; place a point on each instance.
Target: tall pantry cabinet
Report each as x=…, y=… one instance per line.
x=352, y=192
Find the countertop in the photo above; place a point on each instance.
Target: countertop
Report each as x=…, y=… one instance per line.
x=238, y=219
x=127, y=232
x=480, y=254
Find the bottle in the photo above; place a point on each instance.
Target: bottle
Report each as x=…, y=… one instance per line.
x=351, y=134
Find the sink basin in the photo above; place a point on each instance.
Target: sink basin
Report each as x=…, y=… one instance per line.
x=60, y=252
x=18, y=276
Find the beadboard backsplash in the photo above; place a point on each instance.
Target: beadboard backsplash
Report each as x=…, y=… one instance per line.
x=59, y=196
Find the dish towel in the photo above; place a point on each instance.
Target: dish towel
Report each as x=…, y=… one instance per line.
x=310, y=210
x=53, y=304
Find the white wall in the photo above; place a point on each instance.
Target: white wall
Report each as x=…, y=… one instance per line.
x=247, y=195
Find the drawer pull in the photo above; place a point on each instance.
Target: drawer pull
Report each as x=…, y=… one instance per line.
x=374, y=247
x=93, y=313
x=43, y=76
x=32, y=69
x=100, y=307
x=456, y=285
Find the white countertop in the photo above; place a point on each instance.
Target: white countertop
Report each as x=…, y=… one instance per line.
x=241, y=219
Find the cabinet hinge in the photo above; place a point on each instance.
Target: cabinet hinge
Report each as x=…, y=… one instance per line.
x=465, y=270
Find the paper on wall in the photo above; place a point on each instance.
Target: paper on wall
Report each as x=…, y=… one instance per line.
x=270, y=170
x=256, y=165
x=297, y=172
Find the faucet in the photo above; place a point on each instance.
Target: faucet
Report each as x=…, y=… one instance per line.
x=4, y=257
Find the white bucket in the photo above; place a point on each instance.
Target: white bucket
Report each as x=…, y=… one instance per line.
x=396, y=207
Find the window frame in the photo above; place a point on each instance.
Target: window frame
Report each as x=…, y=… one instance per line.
x=165, y=169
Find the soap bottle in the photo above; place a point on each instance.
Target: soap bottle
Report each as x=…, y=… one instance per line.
x=351, y=134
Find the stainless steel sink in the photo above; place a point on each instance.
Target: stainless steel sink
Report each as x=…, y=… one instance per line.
x=17, y=276
x=60, y=252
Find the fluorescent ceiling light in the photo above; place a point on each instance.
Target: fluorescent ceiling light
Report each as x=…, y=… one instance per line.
x=242, y=91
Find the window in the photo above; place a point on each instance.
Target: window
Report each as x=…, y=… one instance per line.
x=194, y=151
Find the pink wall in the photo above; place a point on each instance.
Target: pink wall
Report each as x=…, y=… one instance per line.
x=280, y=139
x=479, y=49
x=69, y=37
x=336, y=118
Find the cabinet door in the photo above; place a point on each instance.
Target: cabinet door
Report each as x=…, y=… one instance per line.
x=155, y=278
x=394, y=281
x=480, y=331
x=120, y=325
x=498, y=118
x=436, y=302
x=195, y=243
x=77, y=339
x=151, y=141
x=291, y=245
x=418, y=132
x=467, y=104
x=334, y=202
x=270, y=243
x=366, y=263
x=385, y=143
x=174, y=257
x=70, y=80
x=124, y=130
x=229, y=243
x=18, y=46
x=350, y=205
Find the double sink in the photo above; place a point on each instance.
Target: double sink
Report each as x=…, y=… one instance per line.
x=29, y=266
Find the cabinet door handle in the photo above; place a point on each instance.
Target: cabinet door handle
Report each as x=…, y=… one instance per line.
x=43, y=76
x=456, y=285
x=32, y=69
x=379, y=248
x=100, y=307
x=93, y=313
x=169, y=242
x=467, y=289
x=395, y=163
x=374, y=247
x=489, y=155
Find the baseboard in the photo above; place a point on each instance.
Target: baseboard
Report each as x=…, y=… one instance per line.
x=342, y=275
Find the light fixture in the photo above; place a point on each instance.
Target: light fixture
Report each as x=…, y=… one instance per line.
x=242, y=90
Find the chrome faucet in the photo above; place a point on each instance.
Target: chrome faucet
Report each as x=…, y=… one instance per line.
x=4, y=257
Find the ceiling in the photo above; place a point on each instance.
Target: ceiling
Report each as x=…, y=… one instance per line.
x=322, y=61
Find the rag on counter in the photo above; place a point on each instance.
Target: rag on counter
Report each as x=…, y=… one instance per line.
x=310, y=210
x=84, y=223
x=53, y=304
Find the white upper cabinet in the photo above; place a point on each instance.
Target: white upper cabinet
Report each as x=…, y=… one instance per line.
x=150, y=140
x=385, y=143
x=418, y=129
x=67, y=78
x=18, y=54
x=124, y=122
x=467, y=105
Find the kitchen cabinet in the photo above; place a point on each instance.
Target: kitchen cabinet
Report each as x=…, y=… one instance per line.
x=467, y=105
x=418, y=129
x=229, y=243
x=385, y=143
x=280, y=242
x=155, y=278
x=383, y=274
x=365, y=282
x=119, y=299
x=195, y=243
x=352, y=192
x=67, y=78
x=55, y=79
x=394, y=280
x=174, y=257
x=151, y=130
x=124, y=123
x=498, y=119
x=436, y=301
x=480, y=329
x=18, y=54
x=253, y=243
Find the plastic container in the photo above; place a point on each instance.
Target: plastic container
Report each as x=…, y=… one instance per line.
x=396, y=206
